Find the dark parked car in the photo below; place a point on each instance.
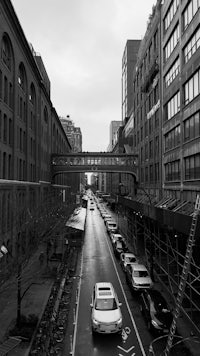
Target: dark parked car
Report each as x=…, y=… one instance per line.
x=156, y=311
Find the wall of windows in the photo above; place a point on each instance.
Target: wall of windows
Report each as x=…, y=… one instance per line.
x=192, y=88
x=172, y=42
x=172, y=171
x=172, y=138
x=170, y=13
x=192, y=127
x=172, y=72
x=173, y=106
x=192, y=45
x=192, y=167
x=189, y=12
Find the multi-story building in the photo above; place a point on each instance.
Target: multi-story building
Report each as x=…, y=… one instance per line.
x=30, y=131
x=73, y=133
x=128, y=63
x=75, y=138
x=163, y=128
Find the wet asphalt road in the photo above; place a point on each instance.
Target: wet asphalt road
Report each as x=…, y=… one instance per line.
x=99, y=264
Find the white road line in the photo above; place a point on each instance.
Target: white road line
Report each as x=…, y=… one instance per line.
x=129, y=310
x=77, y=310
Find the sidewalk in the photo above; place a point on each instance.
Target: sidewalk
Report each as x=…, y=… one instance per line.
x=34, y=300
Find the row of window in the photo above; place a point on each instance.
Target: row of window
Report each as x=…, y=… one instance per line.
x=192, y=127
x=173, y=106
x=192, y=88
x=150, y=174
x=191, y=168
x=191, y=130
x=172, y=72
x=170, y=13
x=192, y=45
x=189, y=12
x=172, y=42
x=172, y=138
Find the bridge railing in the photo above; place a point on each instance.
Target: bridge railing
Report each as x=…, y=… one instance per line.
x=101, y=159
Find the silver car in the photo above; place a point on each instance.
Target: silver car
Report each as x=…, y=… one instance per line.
x=106, y=314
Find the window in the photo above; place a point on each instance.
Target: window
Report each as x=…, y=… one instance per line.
x=189, y=12
x=172, y=138
x=6, y=52
x=172, y=171
x=5, y=129
x=192, y=127
x=192, y=45
x=173, y=106
x=172, y=72
x=170, y=13
x=192, y=88
x=192, y=167
x=45, y=115
x=172, y=42
x=22, y=77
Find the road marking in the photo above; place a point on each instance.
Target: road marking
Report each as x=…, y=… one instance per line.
x=126, y=301
x=126, y=351
x=125, y=332
x=77, y=310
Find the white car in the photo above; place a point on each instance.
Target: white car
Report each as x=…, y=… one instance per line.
x=106, y=314
x=138, y=277
x=115, y=237
x=127, y=258
x=111, y=226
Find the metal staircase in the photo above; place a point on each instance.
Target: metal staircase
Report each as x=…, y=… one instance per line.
x=184, y=275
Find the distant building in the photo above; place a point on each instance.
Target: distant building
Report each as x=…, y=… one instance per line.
x=128, y=63
x=73, y=133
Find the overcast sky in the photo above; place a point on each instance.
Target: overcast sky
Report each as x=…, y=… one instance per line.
x=81, y=43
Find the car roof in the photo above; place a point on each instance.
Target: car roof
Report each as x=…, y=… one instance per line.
x=128, y=254
x=139, y=267
x=104, y=289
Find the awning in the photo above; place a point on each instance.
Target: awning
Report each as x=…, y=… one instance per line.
x=77, y=219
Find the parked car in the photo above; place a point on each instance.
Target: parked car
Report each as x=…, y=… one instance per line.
x=156, y=311
x=118, y=248
x=107, y=218
x=106, y=314
x=115, y=237
x=127, y=258
x=111, y=226
x=138, y=277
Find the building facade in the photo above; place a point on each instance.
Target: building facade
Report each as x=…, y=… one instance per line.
x=163, y=128
x=30, y=131
x=128, y=63
x=73, y=133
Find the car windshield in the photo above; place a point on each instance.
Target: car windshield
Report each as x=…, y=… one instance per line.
x=140, y=274
x=106, y=304
x=130, y=259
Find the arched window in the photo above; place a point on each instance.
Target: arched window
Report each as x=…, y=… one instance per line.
x=22, y=77
x=6, y=53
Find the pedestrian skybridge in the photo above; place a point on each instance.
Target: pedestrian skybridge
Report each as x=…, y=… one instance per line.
x=95, y=162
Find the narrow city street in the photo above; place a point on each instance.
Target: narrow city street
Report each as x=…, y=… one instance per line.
x=99, y=264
